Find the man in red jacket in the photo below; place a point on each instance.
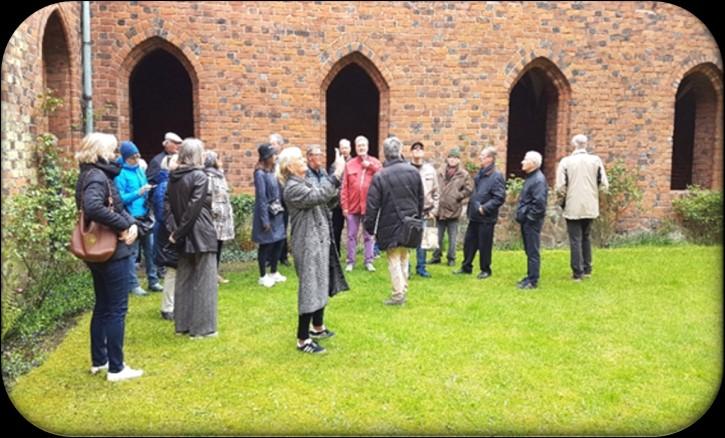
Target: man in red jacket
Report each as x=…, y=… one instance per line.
x=358, y=175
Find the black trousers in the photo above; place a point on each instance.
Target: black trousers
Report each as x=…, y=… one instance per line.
x=303, y=328
x=218, y=252
x=531, y=232
x=479, y=237
x=268, y=253
x=338, y=222
x=580, y=246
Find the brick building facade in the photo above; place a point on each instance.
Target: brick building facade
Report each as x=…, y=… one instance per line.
x=642, y=79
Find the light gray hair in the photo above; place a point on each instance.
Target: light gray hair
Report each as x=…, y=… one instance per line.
x=489, y=151
x=276, y=138
x=191, y=152
x=391, y=148
x=579, y=141
x=312, y=148
x=361, y=139
x=534, y=157
x=344, y=143
x=211, y=159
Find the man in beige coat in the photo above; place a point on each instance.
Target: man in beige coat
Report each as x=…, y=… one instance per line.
x=455, y=186
x=579, y=178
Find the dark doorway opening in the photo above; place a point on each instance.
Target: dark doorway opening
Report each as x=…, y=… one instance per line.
x=528, y=108
x=353, y=108
x=161, y=101
x=683, y=140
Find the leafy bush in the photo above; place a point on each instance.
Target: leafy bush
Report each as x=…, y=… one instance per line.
x=623, y=192
x=243, y=207
x=37, y=225
x=700, y=211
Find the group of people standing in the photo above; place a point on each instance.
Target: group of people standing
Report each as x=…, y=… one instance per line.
x=179, y=210
x=186, y=194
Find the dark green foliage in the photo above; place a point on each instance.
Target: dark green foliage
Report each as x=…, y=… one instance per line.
x=700, y=211
x=623, y=193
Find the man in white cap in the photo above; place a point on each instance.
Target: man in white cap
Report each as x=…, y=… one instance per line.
x=171, y=145
x=578, y=180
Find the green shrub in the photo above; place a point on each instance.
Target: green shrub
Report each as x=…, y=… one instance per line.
x=623, y=192
x=700, y=211
x=243, y=207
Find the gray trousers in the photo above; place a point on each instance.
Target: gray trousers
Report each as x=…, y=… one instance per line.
x=452, y=226
x=580, y=245
x=195, y=294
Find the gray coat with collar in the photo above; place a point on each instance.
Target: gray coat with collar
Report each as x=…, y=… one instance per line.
x=310, y=241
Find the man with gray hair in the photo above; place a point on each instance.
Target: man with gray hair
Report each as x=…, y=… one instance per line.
x=579, y=177
x=488, y=196
x=530, y=214
x=396, y=192
x=277, y=143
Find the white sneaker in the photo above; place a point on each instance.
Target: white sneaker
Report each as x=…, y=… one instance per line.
x=126, y=373
x=370, y=267
x=348, y=268
x=278, y=278
x=96, y=370
x=266, y=281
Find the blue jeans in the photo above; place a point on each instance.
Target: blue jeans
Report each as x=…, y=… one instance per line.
x=420, y=260
x=147, y=246
x=111, y=283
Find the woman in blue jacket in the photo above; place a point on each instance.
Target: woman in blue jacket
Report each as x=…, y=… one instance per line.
x=134, y=190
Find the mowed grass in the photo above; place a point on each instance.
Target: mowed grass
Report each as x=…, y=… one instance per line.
x=636, y=349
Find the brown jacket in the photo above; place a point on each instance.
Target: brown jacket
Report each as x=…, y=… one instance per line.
x=453, y=192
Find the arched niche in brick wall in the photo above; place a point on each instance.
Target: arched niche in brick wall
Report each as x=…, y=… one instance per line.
x=57, y=79
x=697, y=132
x=354, y=80
x=538, y=116
x=159, y=94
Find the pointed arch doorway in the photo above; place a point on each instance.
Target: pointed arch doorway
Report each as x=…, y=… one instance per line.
x=356, y=103
x=161, y=100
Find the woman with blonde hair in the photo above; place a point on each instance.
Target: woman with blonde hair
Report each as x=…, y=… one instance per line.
x=98, y=197
x=315, y=259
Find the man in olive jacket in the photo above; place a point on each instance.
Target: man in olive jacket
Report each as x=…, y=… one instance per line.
x=487, y=197
x=395, y=192
x=455, y=186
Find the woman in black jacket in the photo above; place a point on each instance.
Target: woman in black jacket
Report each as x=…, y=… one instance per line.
x=95, y=191
x=195, y=301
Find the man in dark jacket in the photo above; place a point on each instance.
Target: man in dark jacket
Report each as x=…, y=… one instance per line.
x=530, y=214
x=488, y=196
x=396, y=191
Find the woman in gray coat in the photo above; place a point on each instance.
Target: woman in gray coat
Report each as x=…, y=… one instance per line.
x=317, y=266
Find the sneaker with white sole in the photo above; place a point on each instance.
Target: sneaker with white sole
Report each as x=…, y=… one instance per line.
x=97, y=369
x=278, y=278
x=348, y=268
x=208, y=335
x=370, y=267
x=322, y=334
x=125, y=374
x=266, y=281
x=311, y=347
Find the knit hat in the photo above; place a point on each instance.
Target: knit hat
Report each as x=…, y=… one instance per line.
x=265, y=151
x=128, y=149
x=454, y=152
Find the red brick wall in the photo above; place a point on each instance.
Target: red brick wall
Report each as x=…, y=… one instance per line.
x=25, y=74
x=445, y=69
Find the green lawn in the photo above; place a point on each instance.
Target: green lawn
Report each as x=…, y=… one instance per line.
x=637, y=349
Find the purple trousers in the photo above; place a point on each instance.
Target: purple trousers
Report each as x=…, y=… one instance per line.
x=354, y=223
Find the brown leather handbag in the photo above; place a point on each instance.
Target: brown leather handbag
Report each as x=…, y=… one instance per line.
x=95, y=242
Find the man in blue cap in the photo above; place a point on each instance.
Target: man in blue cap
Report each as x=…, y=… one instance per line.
x=134, y=191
